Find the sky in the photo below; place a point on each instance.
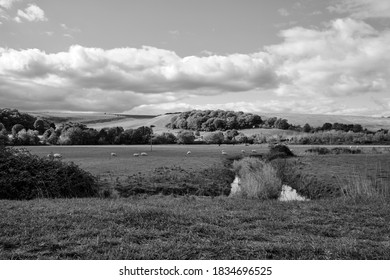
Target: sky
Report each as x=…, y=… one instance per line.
x=159, y=56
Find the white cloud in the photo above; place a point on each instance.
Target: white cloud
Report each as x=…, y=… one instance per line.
x=363, y=9
x=310, y=71
x=117, y=78
x=31, y=13
x=7, y=4
x=348, y=58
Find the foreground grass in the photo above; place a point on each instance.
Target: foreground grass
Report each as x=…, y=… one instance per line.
x=167, y=227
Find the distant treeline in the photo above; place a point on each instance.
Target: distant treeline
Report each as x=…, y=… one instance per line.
x=213, y=120
x=221, y=127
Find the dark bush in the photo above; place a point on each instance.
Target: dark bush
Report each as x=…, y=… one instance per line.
x=26, y=176
x=278, y=151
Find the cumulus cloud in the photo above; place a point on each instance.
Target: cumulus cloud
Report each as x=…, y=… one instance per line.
x=150, y=74
x=347, y=58
x=31, y=13
x=362, y=9
x=7, y=4
x=310, y=71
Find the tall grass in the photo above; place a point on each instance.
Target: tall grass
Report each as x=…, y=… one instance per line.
x=258, y=179
x=360, y=188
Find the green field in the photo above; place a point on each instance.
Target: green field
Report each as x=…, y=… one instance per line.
x=198, y=227
x=98, y=160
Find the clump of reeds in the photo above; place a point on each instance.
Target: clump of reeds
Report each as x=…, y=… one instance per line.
x=359, y=188
x=258, y=179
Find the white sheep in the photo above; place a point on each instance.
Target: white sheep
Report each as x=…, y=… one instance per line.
x=223, y=152
x=144, y=154
x=189, y=152
x=113, y=154
x=136, y=154
x=254, y=151
x=243, y=151
x=57, y=156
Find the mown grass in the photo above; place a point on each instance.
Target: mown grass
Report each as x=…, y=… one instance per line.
x=167, y=227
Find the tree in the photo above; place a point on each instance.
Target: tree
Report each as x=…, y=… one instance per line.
x=306, y=128
x=271, y=121
x=4, y=139
x=39, y=125
x=281, y=124
x=16, y=128
x=214, y=138
x=185, y=137
x=219, y=124
x=327, y=126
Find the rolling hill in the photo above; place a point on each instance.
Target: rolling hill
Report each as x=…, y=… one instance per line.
x=100, y=120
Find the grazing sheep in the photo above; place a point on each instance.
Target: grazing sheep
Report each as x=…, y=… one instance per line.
x=144, y=154
x=254, y=151
x=57, y=156
x=189, y=152
x=113, y=154
x=136, y=154
x=223, y=152
x=243, y=151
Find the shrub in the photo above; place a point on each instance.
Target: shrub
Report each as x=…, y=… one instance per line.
x=258, y=179
x=26, y=176
x=278, y=151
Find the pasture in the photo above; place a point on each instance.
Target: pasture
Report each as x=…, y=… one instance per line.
x=197, y=227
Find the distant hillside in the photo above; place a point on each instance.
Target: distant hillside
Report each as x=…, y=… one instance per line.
x=159, y=123
x=100, y=120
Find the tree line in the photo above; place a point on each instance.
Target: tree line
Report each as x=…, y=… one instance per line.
x=220, y=127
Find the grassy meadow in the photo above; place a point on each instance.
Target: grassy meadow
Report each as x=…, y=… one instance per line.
x=193, y=226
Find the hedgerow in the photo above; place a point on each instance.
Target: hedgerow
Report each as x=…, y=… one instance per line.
x=25, y=176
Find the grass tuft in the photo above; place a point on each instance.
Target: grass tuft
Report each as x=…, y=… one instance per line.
x=258, y=179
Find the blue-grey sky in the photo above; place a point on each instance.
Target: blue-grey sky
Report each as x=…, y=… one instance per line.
x=157, y=56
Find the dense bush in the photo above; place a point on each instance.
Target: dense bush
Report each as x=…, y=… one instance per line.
x=27, y=176
x=279, y=151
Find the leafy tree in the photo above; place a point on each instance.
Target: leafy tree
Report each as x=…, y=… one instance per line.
x=327, y=126
x=4, y=139
x=164, y=138
x=306, y=128
x=219, y=124
x=39, y=125
x=185, y=137
x=16, y=128
x=270, y=121
x=214, y=138
x=281, y=124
